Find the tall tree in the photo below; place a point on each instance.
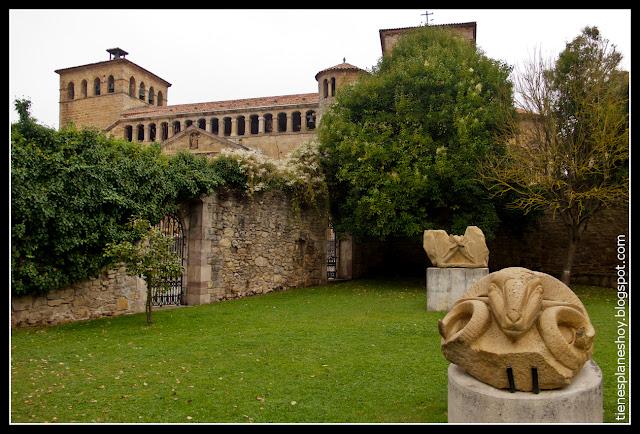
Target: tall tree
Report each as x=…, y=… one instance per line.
x=401, y=146
x=572, y=157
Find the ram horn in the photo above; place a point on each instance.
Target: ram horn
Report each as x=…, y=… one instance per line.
x=465, y=322
x=577, y=350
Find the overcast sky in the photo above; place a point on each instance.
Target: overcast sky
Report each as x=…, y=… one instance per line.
x=211, y=55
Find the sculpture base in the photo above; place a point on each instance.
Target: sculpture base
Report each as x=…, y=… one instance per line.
x=446, y=285
x=471, y=401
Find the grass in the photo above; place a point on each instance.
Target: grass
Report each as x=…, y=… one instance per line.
x=359, y=351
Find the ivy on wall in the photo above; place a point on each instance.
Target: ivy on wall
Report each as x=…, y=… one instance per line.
x=73, y=192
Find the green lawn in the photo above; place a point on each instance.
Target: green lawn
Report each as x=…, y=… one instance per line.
x=360, y=351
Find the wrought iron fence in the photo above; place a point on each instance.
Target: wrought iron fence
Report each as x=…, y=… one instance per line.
x=171, y=226
x=332, y=253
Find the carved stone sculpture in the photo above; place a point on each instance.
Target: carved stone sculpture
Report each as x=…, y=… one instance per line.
x=466, y=251
x=193, y=140
x=518, y=329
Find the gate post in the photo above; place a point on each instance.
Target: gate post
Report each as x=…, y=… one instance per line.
x=198, y=269
x=345, y=263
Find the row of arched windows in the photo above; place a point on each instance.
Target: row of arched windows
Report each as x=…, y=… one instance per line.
x=142, y=93
x=245, y=125
x=164, y=131
x=150, y=96
x=325, y=87
x=96, y=91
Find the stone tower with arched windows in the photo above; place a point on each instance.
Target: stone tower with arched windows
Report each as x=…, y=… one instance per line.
x=333, y=78
x=96, y=94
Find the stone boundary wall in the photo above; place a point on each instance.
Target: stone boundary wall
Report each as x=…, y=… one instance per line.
x=257, y=245
x=237, y=246
x=541, y=247
x=112, y=293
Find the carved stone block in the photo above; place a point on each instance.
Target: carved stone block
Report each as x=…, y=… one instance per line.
x=460, y=251
x=519, y=319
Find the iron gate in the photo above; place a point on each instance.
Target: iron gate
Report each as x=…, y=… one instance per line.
x=332, y=253
x=171, y=226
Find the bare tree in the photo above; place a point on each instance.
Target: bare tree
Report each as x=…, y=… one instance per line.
x=569, y=149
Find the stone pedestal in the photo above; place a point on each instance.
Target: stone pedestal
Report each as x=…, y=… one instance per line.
x=446, y=285
x=471, y=401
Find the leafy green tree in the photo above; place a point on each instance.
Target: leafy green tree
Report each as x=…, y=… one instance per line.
x=401, y=147
x=572, y=157
x=152, y=258
x=72, y=192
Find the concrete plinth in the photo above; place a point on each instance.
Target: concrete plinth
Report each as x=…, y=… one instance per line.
x=471, y=401
x=446, y=285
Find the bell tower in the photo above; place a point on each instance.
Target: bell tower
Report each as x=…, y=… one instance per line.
x=333, y=78
x=95, y=94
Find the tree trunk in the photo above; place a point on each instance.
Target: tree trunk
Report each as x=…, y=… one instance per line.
x=574, y=239
x=566, y=271
x=148, y=303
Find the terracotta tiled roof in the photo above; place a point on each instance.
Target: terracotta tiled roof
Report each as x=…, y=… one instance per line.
x=341, y=67
x=112, y=61
x=247, y=103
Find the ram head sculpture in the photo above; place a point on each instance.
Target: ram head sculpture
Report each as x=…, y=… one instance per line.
x=518, y=329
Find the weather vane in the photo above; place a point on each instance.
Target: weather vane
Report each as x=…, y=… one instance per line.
x=427, y=19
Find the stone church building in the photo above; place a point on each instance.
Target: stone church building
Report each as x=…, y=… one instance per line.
x=129, y=101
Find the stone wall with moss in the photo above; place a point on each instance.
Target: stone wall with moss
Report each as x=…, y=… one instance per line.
x=236, y=246
x=252, y=246
x=110, y=294
x=542, y=246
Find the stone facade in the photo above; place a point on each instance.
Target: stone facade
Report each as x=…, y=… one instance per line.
x=277, y=145
x=237, y=246
x=120, y=83
x=252, y=246
x=110, y=294
x=334, y=78
x=273, y=125
x=389, y=37
x=198, y=142
x=127, y=101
